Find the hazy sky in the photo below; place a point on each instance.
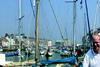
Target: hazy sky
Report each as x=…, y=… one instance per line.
x=47, y=24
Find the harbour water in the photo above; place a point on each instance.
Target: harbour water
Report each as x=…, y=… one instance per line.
x=55, y=56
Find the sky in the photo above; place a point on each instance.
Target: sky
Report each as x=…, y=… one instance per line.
x=47, y=24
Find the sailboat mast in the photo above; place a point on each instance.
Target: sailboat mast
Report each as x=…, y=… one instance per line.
x=88, y=22
x=19, y=30
x=36, y=33
x=20, y=17
x=74, y=21
x=20, y=27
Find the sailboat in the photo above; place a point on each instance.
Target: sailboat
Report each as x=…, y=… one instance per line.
x=65, y=60
x=44, y=62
